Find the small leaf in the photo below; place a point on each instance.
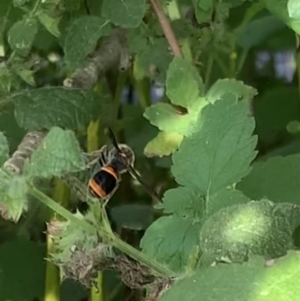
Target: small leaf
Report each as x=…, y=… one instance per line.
x=4, y=149
x=235, y=282
x=222, y=86
x=173, y=250
x=50, y=23
x=82, y=37
x=21, y=36
x=57, y=155
x=17, y=258
x=168, y=119
x=275, y=179
x=219, y=154
x=294, y=9
x=55, y=106
x=258, y=227
x=163, y=144
x=124, y=13
x=183, y=83
x=13, y=201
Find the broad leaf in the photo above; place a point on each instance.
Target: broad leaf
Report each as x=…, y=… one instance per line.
x=294, y=9
x=82, y=37
x=163, y=144
x=124, y=13
x=13, y=198
x=55, y=106
x=219, y=154
x=183, y=83
x=57, y=155
x=258, y=227
x=275, y=179
x=21, y=36
x=174, y=250
x=254, y=280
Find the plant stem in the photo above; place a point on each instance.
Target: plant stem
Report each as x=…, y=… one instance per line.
x=241, y=61
x=298, y=60
x=174, y=14
x=142, y=88
x=166, y=27
x=106, y=235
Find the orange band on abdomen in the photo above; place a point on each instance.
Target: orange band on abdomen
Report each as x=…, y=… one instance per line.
x=97, y=189
x=111, y=171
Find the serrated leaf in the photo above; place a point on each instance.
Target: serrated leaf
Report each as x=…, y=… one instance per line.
x=173, y=250
x=163, y=144
x=55, y=106
x=294, y=9
x=220, y=153
x=275, y=179
x=4, y=149
x=253, y=280
x=59, y=154
x=124, y=13
x=168, y=119
x=280, y=9
x=223, y=86
x=183, y=83
x=50, y=23
x=13, y=201
x=17, y=258
x=82, y=37
x=258, y=227
x=21, y=36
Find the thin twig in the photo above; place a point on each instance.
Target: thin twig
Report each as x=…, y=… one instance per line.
x=166, y=27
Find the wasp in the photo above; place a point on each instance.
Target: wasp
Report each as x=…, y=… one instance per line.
x=114, y=162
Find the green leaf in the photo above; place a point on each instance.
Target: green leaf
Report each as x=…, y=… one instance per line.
x=4, y=149
x=82, y=37
x=157, y=54
x=254, y=280
x=174, y=250
x=163, y=144
x=183, y=83
x=124, y=13
x=258, y=227
x=21, y=36
x=257, y=31
x=55, y=106
x=235, y=87
x=168, y=119
x=59, y=154
x=294, y=9
x=219, y=154
x=275, y=179
x=50, y=23
x=13, y=201
x=17, y=258
x=280, y=9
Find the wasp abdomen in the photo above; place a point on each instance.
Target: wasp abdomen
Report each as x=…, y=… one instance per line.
x=103, y=182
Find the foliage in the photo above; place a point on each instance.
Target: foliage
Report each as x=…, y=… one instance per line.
x=220, y=143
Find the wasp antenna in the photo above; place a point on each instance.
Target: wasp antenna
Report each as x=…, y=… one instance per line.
x=113, y=138
x=150, y=191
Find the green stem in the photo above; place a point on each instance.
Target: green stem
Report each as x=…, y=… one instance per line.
x=174, y=14
x=35, y=8
x=106, y=235
x=241, y=61
x=221, y=64
x=142, y=89
x=59, y=209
